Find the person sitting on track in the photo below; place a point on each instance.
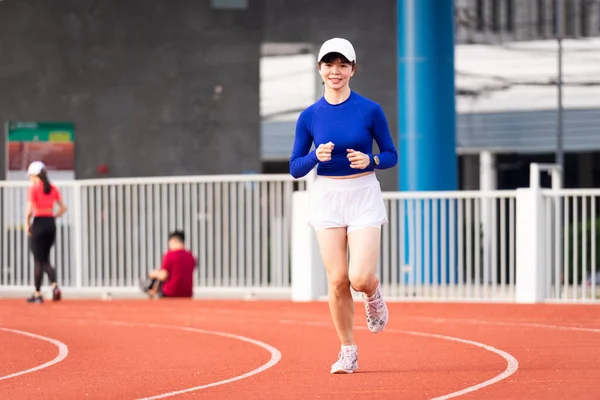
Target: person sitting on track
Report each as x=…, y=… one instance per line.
x=175, y=277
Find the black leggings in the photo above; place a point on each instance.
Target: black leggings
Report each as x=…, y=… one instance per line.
x=43, y=234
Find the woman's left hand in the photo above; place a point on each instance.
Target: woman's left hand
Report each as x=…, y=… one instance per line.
x=358, y=160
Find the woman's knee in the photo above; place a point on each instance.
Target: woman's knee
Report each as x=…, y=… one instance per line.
x=339, y=283
x=363, y=280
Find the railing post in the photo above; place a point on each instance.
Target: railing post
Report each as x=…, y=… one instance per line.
x=77, y=234
x=487, y=182
x=557, y=230
x=308, y=273
x=530, y=246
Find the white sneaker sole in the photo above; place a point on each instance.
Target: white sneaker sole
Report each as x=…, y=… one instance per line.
x=343, y=371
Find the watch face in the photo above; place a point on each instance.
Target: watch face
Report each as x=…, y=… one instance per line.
x=376, y=159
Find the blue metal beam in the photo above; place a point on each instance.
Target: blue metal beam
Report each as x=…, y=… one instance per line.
x=427, y=136
x=426, y=99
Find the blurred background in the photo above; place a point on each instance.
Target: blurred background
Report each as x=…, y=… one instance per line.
x=189, y=87
x=196, y=102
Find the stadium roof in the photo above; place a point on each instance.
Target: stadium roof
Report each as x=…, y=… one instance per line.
x=522, y=76
x=507, y=79
x=513, y=76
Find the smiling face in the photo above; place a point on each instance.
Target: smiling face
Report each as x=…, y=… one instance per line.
x=336, y=71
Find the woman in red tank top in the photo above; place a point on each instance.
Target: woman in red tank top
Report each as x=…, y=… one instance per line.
x=41, y=199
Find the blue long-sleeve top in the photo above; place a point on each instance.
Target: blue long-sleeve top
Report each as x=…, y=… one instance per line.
x=352, y=124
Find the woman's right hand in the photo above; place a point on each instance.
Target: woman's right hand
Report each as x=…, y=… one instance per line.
x=324, y=151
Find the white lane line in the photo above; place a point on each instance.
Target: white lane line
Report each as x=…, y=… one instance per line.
x=511, y=368
x=503, y=323
x=63, y=351
x=275, y=354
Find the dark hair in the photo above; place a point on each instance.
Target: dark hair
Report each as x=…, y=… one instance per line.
x=332, y=57
x=177, y=235
x=44, y=178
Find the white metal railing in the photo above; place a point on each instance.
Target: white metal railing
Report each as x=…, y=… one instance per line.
x=572, y=238
x=116, y=230
x=514, y=245
x=16, y=262
x=437, y=246
x=449, y=245
x=249, y=233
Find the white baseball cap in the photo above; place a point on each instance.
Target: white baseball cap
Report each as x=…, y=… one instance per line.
x=35, y=168
x=338, y=45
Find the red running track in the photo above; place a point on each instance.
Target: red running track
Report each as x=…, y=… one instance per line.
x=281, y=350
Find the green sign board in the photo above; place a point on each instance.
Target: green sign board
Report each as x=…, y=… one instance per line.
x=53, y=143
x=40, y=132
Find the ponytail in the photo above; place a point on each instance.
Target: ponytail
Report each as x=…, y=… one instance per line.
x=44, y=178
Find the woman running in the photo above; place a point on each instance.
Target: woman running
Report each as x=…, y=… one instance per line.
x=41, y=198
x=347, y=208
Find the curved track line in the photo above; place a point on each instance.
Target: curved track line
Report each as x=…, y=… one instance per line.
x=275, y=354
x=503, y=323
x=511, y=368
x=63, y=351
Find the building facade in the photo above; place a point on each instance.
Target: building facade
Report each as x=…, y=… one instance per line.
x=155, y=89
x=500, y=21
x=506, y=64
x=521, y=125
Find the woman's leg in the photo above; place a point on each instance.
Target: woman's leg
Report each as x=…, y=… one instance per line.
x=38, y=267
x=364, y=246
x=364, y=252
x=334, y=253
x=51, y=272
x=38, y=276
x=49, y=238
x=43, y=234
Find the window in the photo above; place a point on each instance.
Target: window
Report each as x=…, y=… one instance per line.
x=230, y=4
x=496, y=15
x=584, y=15
x=541, y=17
x=554, y=18
x=510, y=18
x=569, y=18
x=480, y=12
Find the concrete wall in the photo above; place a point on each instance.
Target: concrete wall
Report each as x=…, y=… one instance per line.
x=371, y=29
x=138, y=79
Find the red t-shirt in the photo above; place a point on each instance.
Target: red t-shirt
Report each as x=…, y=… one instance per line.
x=180, y=265
x=43, y=204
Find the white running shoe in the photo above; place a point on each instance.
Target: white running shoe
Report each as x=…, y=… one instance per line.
x=377, y=312
x=347, y=362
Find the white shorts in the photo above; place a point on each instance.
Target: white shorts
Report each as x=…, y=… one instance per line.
x=352, y=203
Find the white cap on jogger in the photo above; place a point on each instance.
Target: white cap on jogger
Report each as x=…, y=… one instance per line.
x=338, y=45
x=35, y=168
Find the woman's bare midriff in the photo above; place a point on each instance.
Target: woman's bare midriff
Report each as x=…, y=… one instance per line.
x=47, y=212
x=352, y=176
